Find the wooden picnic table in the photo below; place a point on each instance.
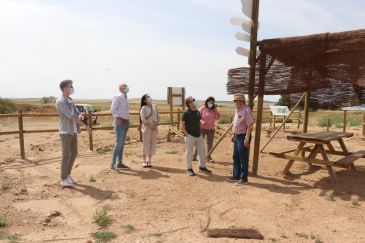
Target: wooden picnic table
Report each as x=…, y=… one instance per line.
x=320, y=140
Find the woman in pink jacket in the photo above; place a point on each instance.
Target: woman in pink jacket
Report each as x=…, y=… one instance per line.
x=209, y=115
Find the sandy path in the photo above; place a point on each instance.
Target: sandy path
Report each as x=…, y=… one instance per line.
x=165, y=205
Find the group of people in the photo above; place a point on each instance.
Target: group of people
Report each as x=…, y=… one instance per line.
x=196, y=124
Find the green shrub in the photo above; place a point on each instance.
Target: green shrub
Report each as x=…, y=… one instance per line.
x=353, y=122
x=102, y=217
x=7, y=106
x=104, y=236
x=3, y=221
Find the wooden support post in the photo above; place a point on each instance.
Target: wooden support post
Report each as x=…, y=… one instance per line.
x=363, y=125
x=90, y=124
x=274, y=121
x=328, y=125
x=252, y=57
x=21, y=135
x=306, y=112
x=344, y=120
x=284, y=121
x=260, y=105
x=299, y=116
x=219, y=140
x=178, y=119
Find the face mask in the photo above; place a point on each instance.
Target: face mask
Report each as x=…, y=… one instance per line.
x=149, y=99
x=210, y=105
x=72, y=91
x=126, y=90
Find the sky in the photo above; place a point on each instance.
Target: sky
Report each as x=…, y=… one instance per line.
x=148, y=44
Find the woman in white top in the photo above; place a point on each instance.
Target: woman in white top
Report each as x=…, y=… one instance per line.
x=149, y=122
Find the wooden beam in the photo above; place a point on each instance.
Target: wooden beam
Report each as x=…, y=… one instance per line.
x=260, y=105
x=306, y=112
x=282, y=124
x=344, y=120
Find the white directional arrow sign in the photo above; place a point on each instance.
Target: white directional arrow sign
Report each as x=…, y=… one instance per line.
x=242, y=51
x=243, y=36
x=247, y=8
x=244, y=23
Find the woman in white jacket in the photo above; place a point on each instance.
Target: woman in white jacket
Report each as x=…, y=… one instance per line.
x=149, y=127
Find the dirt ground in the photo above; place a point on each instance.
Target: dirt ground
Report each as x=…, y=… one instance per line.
x=163, y=204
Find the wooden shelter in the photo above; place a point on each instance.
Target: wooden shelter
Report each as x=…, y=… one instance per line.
x=329, y=68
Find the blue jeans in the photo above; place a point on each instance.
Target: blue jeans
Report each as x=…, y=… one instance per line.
x=120, y=135
x=240, y=158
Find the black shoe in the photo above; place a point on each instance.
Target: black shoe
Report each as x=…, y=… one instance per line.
x=113, y=168
x=190, y=172
x=241, y=182
x=205, y=170
x=232, y=179
x=122, y=166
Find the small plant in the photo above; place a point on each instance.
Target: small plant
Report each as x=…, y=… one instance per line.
x=224, y=121
x=92, y=178
x=355, y=203
x=14, y=238
x=104, y=150
x=302, y=235
x=102, y=217
x=129, y=229
x=331, y=197
x=3, y=221
x=6, y=185
x=155, y=235
x=104, y=236
x=172, y=152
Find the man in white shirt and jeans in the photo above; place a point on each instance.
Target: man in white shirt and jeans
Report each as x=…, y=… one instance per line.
x=120, y=111
x=70, y=122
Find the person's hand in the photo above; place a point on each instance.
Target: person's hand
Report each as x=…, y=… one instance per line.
x=232, y=139
x=81, y=117
x=246, y=143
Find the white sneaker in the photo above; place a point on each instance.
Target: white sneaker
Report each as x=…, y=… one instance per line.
x=144, y=164
x=66, y=183
x=71, y=179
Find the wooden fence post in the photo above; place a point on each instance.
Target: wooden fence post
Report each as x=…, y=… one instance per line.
x=328, y=124
x=90, y=123
x=21, y=135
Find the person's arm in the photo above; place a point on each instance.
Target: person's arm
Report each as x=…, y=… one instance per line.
x=182, y=125
x=249, y=123
x=63, y=109
x=201, y=111
x=182, y=128
x=114, y=107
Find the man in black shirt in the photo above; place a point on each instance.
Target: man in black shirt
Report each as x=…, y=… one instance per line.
x=190, y=125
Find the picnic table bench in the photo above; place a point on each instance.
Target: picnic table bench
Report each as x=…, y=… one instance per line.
x=317, y=142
